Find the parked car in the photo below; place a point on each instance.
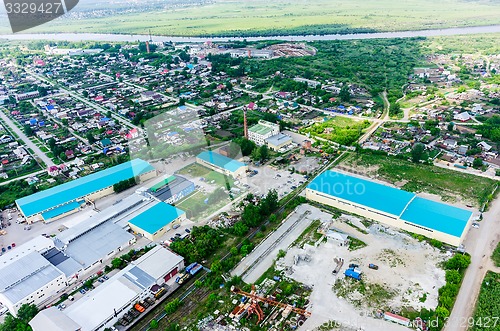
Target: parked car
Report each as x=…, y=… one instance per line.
x=475, y=225
x=105, y=277
x=82, y=291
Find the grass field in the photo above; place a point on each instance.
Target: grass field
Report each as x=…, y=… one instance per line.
x=486, y=316
x=342, y=130
x=238, y=17
x=448, y=184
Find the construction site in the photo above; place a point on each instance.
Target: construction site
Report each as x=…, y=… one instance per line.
x=355, y=279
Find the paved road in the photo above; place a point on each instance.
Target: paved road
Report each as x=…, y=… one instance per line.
x=38, y=152
x=262, y=257
x=87, y=102
x=480, y=244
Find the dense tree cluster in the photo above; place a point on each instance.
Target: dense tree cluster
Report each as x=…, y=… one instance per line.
x=202, y=242
x=491, y=128
x=124, y=185
x=19, y=323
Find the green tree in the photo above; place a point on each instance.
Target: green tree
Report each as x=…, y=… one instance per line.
x=117, y=263
x=216, y=266
x=417, y=152
x=172, y=306
x=27, y=312
x=264, y=153
x=477, y=163
x=28, y=130
x=453, y=277
x=240, y=229
x=344, y=93
x=153, y=324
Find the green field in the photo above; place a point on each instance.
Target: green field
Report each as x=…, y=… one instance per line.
x=241, y=17
x=486, y=316
x=342, y=130
x=447, y=184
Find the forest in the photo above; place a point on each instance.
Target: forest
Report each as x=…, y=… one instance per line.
x=377, y=65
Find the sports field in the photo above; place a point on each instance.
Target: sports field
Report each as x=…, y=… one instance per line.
x=242, y=17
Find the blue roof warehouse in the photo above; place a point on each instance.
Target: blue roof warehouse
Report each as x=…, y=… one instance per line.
x=155, y=221
x=222, y=164
x=391, y=206
x=64, y=199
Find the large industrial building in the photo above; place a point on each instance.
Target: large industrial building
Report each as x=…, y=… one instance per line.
x=391, y=206
x=222, y=164
x=67, y=198
x=104, y=306
x=261, y=131
x=27, y=277
x=155, y=221
x=172, y=189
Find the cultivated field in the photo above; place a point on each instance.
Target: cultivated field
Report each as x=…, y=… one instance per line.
x=281, y=16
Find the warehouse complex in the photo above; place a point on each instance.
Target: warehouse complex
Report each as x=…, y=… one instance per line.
x=222, y=164
x=391, y=206
x=105, y=305
x=67, y=198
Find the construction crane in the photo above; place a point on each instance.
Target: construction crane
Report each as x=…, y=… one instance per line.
x=271, y=302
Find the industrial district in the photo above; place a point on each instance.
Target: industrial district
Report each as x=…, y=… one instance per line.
x=160, y=185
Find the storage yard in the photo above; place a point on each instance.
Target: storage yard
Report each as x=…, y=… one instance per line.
x=408, y=274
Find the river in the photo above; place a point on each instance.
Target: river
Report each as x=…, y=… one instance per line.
x=135, y=37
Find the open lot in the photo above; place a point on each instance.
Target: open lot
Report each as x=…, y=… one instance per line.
x=408, y=275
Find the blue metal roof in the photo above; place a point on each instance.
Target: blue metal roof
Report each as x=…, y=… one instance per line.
x=221, y=161
x=363, y=192
x=156, y=217
x=437, y=216
x=78, y=188
x=62, y=210
x=411, y=208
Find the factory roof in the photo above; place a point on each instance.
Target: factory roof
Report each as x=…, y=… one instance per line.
x=407, y=206
x=97, y=306
x=220, y=161
x=363, y=192
x=156, y=217
x=437, y=216
x=279, y=139
x=260, y=129
x=25, y=275
x=62, y=210
x=97, y=243
x=54, y=320
x=81, y=187
x=178, y=185
x=158, y=261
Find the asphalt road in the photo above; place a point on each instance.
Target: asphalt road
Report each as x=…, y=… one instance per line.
x=480, y=244
x=41, y=155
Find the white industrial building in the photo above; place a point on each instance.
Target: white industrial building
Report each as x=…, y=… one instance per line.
x=261, y=131
x=105, y=305
x=27, y=277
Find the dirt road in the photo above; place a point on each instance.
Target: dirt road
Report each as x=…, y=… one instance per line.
x=480, y=244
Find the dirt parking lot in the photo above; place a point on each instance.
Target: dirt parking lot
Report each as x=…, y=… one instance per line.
x=408, y=276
